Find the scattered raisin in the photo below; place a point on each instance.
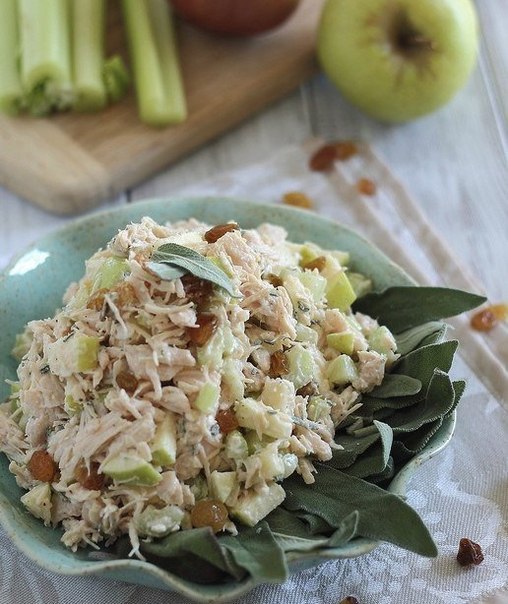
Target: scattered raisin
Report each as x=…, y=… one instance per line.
x=275, y=280
x=307, y=390
x=319, y=263
x=227, y=420
x=126, y=294
x=488, y=318
x=91, y=480
x=96, y=300
x=209, y=512
x=469, y=553
x=322, y=160
x=197, y=290
x=345, y=150
x=127, y=381
x=218, y=231
x=298, y=199
x=278, y=364
x=42, y=466
x=349, y=600
x=366, y=187
x=206, y=325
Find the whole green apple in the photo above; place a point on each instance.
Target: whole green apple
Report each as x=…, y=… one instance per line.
x=398, y=59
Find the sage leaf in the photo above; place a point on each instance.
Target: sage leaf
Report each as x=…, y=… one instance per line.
x=422, y=362
x=406, y=446
x=428, y=333
x=166, y=272
x=257, y=551
x=381, y=515
x=395, y=384
x=192, y=262
x=347, y=530
x=375, y=460
x=401, y=308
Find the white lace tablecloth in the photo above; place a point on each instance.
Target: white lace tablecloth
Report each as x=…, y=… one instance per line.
x=463, y=492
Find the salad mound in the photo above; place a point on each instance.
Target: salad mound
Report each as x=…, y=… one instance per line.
x=190, y=371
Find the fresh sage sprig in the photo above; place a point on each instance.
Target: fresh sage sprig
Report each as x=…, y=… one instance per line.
x=171, y=261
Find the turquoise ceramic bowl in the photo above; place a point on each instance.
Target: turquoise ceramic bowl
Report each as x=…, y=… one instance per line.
x=32, y=288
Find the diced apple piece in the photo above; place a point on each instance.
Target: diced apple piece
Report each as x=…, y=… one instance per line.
x=222, y=484
x=164, y=443
x=339, y=292
x=301, y=366
x=272, y=464
x=236, y=446
x=318, y=408
x=255, y=506
x=110, y=272
x=256, y=416
x=343, y=342
x=279, y=425
x=360, y=284
x=38, y=502
x=131, y=470
x=279, y=394
x=381, y=340
x=208, y=398
x=159, y=522
x=314, y=283
x=342, y=370
x=73, y=355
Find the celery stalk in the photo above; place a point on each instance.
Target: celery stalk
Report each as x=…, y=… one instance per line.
x=45, y=55
x=87, y=27
x=10, y=84
x=154, y=55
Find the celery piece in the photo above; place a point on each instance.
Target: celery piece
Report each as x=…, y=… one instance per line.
x=301, y=366
x=87, y=18
x=154, y=55
x=116, y=78
x=45, y=55
x=10, y=83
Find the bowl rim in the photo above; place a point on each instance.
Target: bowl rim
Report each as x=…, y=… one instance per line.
x=357, y=547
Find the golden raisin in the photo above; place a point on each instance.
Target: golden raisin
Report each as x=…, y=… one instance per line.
x=278, y=364
x=319, y=263
x=91, y=480
x=227, y=421
x=307, y=390
x=469, y=553
x=127, y=381
x=197, y=290
x=322, y=160
x=206, y=325
x=345, y=150
x=96, y=300
x=216, y=232
x=349, y=600
x=209, y=512
x=126, y=294
x=297, y=199
x=274, y=280
x=488, y=318
x=366, y=187
x=42, y=466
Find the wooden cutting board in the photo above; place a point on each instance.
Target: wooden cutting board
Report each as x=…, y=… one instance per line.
x=70, y=162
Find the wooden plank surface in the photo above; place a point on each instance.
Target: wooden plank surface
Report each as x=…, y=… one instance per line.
x=70, y=162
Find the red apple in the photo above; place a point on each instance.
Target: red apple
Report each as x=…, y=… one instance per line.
x=235, y=17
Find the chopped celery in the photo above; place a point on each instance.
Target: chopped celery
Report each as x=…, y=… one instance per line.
x=163, y=446
x=318, y=408
x=131, y=470
x=45, y=55
x=87, y=19
x=301, y=366
x=154, y=55
x=116, y=78
x=208, y=398
x=10, y=85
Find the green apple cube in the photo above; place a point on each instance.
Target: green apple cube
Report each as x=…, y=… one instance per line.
x=272, y=463
x=38, y=502
x=381, y=340
x=72, y=355
x=254, y=442
x=236, y=446
x=164, y=443
x=342, y=370
x=159, y=522
x=342, y=341
x=279, y=425
x=210, y=355
x=314, y=283
x=318, y=408
x=255, y=506
x=306, y=334
x=22, y=345
x=232, y=378
x=222, y=484
x=341, y=257
x=72, y=406
x=86, y=350
x=339, y=292
x=131, y=469
x=309, y=252
x=360, y=284
x=256, y=416
x=279, y=394
x=111, y=271
x=301, y=366
x=208, y=398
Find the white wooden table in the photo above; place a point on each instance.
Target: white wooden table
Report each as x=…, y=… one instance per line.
x=454, y=162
